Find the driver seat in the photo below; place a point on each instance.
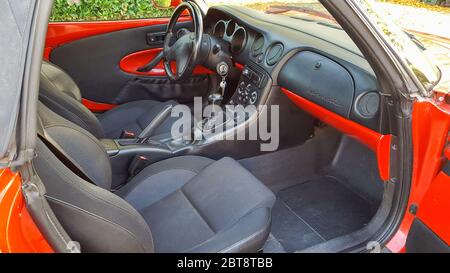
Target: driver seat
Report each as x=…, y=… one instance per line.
x=181, y=204
x=60, y=93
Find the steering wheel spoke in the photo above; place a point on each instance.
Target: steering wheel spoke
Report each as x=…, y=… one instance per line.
x=170, y=54
x=169, y=50
x=181, y=63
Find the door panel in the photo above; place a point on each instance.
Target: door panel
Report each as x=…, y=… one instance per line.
x=434, y=210
x=428, y=214
x=422, y=239
x=60, y=33
x=94, y=64
x=430, y=231
x=431, y=184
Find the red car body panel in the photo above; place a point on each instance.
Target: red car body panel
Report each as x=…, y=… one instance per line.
x=430, y=187
x=18, y=232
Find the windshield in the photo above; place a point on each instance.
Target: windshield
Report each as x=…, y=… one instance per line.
x=421, y=67
x=426, y=73
x=302, y=9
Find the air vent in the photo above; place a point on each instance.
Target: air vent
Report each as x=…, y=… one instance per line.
x=368, y=104
x=274, y=53
x=257, y=47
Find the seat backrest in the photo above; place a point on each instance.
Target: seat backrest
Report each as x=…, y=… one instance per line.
x=83, y=148
x=93, y=216
x=61, y=94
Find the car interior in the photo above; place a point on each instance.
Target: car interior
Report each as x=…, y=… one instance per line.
x=117, y=180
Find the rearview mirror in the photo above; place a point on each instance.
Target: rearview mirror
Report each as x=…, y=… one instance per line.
x=165, y=4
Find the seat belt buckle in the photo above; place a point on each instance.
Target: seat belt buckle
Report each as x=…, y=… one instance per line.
x=127, y=134
x=138, y=163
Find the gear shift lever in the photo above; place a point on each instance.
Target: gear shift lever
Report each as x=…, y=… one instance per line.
x=222, y=70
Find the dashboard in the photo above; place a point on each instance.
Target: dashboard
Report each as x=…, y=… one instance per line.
x=316, y=61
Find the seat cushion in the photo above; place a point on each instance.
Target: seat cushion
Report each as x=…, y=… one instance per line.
x=194, y=204
x=161, y=179
x=134, y=116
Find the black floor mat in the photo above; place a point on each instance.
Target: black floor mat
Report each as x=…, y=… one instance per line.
x=316, y=211
x=290, y=230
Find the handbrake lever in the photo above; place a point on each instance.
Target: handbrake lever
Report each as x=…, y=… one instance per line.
x=154, y=124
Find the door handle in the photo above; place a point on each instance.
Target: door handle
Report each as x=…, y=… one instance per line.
x=155, y=38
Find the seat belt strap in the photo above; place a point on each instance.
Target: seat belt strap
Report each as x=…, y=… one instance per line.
x=63, y=156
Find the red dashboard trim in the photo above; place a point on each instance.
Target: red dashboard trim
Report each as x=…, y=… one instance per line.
x=377, y=142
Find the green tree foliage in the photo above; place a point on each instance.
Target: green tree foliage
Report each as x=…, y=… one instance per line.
x=87, y=10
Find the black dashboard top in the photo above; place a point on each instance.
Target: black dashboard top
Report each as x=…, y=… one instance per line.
x=274, y=44
x=291, y=34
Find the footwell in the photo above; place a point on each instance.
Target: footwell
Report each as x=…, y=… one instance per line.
x=313, y=212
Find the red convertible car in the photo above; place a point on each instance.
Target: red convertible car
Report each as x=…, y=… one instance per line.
x=104, y=145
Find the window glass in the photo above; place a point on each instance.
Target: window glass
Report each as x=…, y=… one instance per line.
x=99, y=10
x=296, y=9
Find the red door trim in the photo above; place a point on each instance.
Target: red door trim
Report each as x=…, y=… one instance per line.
x=133, y=61
x=377, y=142
x=97, y=107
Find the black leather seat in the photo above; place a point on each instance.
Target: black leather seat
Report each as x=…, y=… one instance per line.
x=61, y=94
x=183, y=204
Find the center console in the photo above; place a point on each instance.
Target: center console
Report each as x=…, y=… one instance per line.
x=250, y=87
x=249, y=92
x=129, y=156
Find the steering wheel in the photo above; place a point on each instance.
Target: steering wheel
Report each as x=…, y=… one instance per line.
x=185, y=50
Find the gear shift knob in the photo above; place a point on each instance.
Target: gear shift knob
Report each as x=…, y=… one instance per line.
x=215, y=98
